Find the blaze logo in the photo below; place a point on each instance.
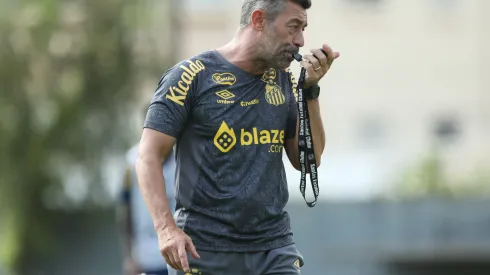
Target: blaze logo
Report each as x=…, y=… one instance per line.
x=225, y=138
x=178, y=94
x=266, y=137
x=224, y=78
x=273, y=95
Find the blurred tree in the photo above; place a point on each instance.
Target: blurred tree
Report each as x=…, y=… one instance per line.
x=428, y=178
x=425, y=178
x=68, y=76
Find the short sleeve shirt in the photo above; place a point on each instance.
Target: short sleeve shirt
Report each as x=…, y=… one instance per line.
x=230, y=128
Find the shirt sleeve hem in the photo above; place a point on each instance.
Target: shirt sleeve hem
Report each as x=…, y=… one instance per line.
x=161, y=130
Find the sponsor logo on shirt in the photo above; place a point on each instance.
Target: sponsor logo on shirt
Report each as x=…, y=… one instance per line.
x=225, y=95
x=224, y=78
x=179, y=92
x=249, y=103
x=225, y=138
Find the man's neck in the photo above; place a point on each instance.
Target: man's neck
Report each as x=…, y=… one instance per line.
x=241, y=52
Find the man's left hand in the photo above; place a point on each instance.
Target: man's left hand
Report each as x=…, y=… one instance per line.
x=317, y=64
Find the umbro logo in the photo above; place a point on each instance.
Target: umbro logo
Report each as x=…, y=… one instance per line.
x=225, y=94
x=226, y=97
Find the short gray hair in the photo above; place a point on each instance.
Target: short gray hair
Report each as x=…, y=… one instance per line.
x=272, y=8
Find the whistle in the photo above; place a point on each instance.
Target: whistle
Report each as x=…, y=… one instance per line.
x=298, y=56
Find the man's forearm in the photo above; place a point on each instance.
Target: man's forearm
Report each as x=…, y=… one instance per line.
x=317, y=130
x=317, y=133
x=152, y=185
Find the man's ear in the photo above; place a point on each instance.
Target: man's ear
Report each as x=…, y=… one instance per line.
x=258, y=20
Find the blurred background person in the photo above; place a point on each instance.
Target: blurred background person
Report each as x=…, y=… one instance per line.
x=141, y=253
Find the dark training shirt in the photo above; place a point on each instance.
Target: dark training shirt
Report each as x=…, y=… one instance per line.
x=230, y=127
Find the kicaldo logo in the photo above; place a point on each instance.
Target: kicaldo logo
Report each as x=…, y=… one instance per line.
x=179, y=92
x=225, y=139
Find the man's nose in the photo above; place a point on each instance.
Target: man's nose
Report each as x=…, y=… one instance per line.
x=299, y=40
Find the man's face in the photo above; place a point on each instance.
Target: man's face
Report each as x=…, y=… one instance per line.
x=284, y=36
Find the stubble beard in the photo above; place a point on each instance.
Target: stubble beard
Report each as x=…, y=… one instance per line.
x=272, y=55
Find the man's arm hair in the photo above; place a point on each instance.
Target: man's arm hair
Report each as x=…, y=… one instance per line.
x=167, y=117
x=154, y=148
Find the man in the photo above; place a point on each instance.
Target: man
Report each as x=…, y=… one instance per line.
x=231, y=112
x=141, y=251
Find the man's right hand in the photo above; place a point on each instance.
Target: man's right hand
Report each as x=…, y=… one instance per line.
x=174, y=244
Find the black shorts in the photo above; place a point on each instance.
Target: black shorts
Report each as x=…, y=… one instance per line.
x=284, y=261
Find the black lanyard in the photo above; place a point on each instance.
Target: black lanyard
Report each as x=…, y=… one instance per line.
x=305, y=144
